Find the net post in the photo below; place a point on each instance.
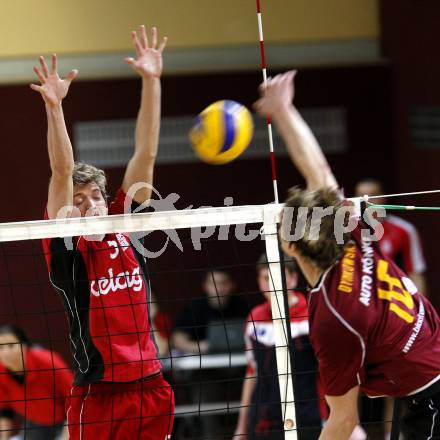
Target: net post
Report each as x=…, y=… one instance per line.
x=271, y=219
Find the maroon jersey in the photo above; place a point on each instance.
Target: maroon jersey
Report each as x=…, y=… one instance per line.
x=104, y=288
x=370, y=327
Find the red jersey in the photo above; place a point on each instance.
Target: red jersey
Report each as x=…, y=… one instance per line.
x=370, y=326
x=265, y=410
x=46, y=385
x=104, y=287
x=259, y=330
x=401, y=243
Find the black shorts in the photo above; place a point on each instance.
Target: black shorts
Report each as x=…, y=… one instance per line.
x=422, y=420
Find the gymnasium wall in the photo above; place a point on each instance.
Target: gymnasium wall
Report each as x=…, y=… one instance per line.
x=84, y=26
x=204, y=35
x=410, y=42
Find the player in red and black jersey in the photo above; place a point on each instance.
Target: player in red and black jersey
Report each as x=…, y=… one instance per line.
x=260, y=413
x=118, y=390
x=370, y=327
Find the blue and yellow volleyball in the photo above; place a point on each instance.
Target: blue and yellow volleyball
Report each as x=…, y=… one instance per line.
x=222, y=132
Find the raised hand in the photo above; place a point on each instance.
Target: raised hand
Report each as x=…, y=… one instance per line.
x=148, y=62
x=276, y=95
x=53, y=89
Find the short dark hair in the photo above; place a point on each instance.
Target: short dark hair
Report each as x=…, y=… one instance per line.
x=289, y=263
x=15, y=330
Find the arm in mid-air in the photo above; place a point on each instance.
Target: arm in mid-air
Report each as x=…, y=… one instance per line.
x=304, y=150
x=53, y=90
x=148, y=64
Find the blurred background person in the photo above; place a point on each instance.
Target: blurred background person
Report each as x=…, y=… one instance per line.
x=218, y=304
x=400, y=241
x=218, y=308
x=260, y=415
x=34, y=385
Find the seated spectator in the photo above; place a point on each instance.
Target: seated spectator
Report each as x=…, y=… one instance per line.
x=190, y=335
x=34, y=384
x=190, y=331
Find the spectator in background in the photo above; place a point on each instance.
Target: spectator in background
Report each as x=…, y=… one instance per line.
x=400, y=241
x=219, y=303
x=190, y=335
x=260, y=413
x=34, y=384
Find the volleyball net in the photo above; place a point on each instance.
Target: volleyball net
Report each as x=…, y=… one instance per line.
x=184, y=250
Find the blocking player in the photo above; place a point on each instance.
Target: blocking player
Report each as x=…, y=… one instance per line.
x=118, y=391
x=370, y=327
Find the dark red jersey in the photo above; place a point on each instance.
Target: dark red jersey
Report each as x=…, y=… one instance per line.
x=41, y=397
x=369, y=326
x=104, y=288
x=402, y=244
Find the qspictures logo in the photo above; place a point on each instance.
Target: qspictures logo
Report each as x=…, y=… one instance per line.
x=307, y=224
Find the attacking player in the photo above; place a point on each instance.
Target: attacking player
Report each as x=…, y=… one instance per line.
x=118, y=392
x=370, y=327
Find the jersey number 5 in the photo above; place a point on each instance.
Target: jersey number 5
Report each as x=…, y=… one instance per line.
x=395, y=293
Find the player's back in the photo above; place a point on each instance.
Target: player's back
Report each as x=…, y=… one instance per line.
x=367, y=318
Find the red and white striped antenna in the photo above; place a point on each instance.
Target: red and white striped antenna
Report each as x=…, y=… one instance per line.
x=269, y=123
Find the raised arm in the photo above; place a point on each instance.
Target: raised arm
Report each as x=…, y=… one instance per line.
x=276, y=101
x=53, y=90
x=148, y=64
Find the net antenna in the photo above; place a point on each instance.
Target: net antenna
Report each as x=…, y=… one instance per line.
x=280, y=321
x=269, y=122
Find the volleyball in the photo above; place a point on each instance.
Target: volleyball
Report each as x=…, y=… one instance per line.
x=222, y=132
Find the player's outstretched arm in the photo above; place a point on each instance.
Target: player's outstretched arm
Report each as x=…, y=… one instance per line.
x=148, y=64
x=53, y=90
x=304, y=150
